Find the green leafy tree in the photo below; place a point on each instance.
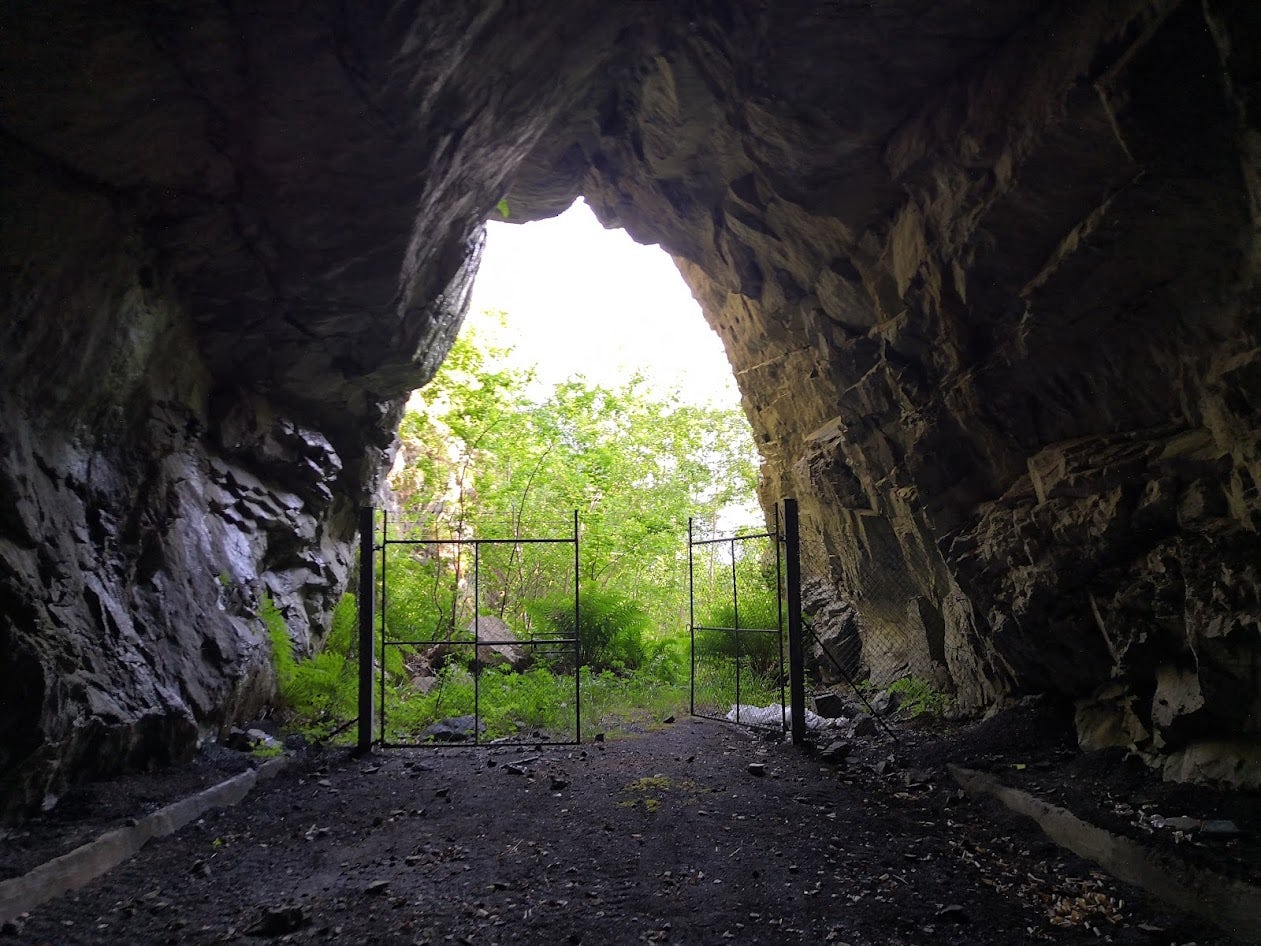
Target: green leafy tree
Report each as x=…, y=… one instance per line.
x=485, y=452
x=483, y=456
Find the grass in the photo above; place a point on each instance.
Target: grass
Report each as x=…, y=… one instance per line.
x=319, y=694
x=509, y=703
x=536, y=700
x=918, y=697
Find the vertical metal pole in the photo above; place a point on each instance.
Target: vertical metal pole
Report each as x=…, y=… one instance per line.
x=691, y=616
x=367, y=599
x=577, y=639
x=735, y=622
x=385, y=535
x=796, y=652
x=477, y=637
x=779, y=604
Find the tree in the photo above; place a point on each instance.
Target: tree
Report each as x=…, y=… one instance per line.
x=483, y=456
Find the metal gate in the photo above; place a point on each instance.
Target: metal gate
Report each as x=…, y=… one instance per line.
x=744, y=619
x=454, y=640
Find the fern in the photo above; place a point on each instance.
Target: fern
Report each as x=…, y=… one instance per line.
x=281, y=644
x=612, y=628
x=324, y=686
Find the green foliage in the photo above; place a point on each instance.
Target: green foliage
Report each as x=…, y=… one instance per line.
x=510, y=703
x=919, y=697
x=751, y=616
x=758, y=650
x=281, y=644
x=716, y=689
x=322, y=688
x=423, y=602
x=502, y=207
x=666, y=660
x=409, y=711
x=611, y=633
x=344, y=626
x=613, y=703
x=489, y=455
x=520, y=704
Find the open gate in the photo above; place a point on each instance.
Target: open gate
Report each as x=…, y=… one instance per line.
x=453, y=642
x=744, y=609
x=733, y=660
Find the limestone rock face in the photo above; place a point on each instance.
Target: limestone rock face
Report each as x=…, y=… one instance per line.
x=986, y=274
x=232, y=241
x=990, y=294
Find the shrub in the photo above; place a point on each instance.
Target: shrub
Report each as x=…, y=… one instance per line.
x=759, y=650
x=628, y=702
x=756, y=641
x=612, y=628
x=919, y=697
x=281, y=644
x=323, y=687
x=423, y=602
x=666, y=660
x=509, y=702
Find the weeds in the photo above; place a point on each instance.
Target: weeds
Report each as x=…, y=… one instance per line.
x=630, y=681
x=918, y=697
x=281, y=644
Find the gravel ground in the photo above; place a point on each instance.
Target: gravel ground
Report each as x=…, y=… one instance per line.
x=699, y=833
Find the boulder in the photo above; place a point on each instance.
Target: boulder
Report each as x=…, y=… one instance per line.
x=497, y=644
x=455, y=729
x=832, y=706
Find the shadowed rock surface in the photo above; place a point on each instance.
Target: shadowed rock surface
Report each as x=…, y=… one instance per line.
x=986, y=274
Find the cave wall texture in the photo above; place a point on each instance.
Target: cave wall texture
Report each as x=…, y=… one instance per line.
x=986, y=273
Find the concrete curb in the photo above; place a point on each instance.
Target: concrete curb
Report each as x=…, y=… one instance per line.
x=89, y=861
x=1232, y=905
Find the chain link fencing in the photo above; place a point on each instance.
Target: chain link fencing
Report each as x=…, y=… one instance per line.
x=874, y=642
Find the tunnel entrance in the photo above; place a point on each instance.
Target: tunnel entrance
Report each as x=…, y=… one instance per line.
x=581, y=299
x=558, y=395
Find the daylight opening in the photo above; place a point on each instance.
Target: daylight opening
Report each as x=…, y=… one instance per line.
x=586, y=397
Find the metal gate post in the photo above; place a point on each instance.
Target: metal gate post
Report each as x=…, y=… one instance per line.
x=366, y=601
x=796, y=651
x=735, y=625
x=577, y=637
x=691, y=617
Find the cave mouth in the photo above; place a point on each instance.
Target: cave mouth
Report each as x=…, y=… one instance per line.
x=996, y=329
x=584, y=383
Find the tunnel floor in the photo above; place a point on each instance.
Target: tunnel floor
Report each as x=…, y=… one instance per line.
x=698, y=833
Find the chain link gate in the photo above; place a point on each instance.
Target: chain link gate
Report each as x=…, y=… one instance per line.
x=453, y=640
x=744, y=621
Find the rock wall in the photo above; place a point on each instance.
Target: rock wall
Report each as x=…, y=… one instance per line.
x=988, y=283
x=985, y=273
x=234, y=237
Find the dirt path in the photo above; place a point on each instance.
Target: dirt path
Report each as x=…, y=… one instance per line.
x=670, y=838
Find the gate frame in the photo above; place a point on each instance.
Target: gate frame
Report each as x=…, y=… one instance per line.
x=369, y=636
x=787, y=536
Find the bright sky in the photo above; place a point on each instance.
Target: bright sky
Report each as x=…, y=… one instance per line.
x=585, y=300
